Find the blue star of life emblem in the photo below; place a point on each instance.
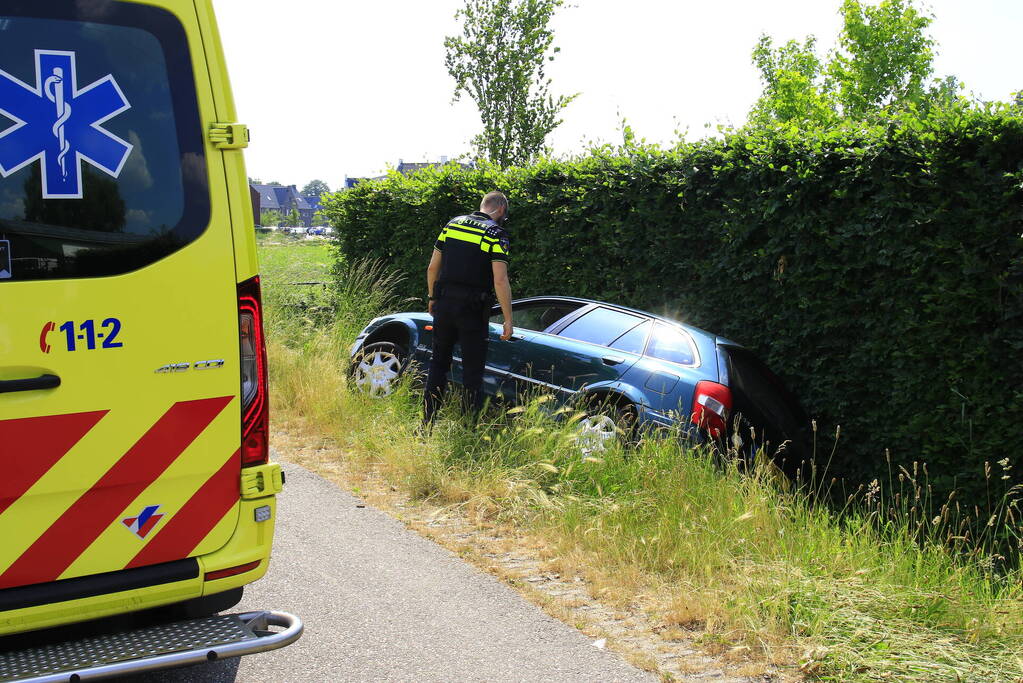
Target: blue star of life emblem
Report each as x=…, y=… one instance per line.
x=60, y=125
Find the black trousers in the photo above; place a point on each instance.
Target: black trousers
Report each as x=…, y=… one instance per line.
x=467, y=323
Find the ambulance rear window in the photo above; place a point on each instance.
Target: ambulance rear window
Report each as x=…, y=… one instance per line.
x=101, y=147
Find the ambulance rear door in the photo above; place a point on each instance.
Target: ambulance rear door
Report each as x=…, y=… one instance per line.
x=119, y=378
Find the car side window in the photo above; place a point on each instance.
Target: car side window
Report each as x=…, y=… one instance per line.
x=537, y=317
x=671, y=344
x=601, y=326
x=633, y=341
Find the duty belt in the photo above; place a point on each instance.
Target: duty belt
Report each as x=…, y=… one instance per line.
x=454, y=290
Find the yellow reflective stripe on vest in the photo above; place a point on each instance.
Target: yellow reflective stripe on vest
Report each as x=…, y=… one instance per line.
x=464, y=236
x=474, y=233
x=493, y=245
x=462, y=226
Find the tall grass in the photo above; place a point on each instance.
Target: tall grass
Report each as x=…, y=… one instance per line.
x=880, y=590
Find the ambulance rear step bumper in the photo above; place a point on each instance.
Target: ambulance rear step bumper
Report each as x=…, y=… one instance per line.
x=164, y=646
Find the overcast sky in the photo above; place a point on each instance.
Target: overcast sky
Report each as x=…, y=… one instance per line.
x=344, y=88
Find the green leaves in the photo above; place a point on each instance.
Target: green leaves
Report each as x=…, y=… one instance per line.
x=886, y=58
x=883, y=65
x=499, y=62
x=315, y=188
x=875, y=267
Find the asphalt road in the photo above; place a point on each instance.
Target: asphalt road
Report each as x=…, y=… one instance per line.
x=381, y=603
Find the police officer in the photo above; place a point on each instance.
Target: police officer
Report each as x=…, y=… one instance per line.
x=469, y=259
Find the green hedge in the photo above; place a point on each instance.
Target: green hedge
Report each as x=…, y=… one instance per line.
x=877, y=269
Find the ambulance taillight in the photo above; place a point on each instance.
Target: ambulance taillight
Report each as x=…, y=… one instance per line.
x=255, y=412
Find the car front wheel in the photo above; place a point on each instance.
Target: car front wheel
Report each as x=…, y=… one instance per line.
x=377, y=369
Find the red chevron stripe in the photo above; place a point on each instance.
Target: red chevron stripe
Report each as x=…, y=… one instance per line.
x=180, y=536
x=36, y=444
x=83, y=522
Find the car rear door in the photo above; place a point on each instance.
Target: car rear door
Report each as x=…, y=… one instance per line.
x=119, y=410
x=670, y=370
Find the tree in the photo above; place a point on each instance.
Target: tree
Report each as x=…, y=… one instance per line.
x=271, y=217
x=795, y=85
x=884, y=62
x=316, y=187
x=498, y=61
x=886, y=56
x=293, y=219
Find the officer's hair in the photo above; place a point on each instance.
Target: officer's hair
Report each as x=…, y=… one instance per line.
x=493, y=201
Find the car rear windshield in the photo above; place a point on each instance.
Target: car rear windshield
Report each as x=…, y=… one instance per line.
x=101, y=147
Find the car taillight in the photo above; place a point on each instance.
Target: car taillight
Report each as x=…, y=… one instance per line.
x=255, y=412
x=712, y=404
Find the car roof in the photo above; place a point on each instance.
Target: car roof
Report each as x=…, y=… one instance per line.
x=580, y=300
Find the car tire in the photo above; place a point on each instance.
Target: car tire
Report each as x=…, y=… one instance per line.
x=377, y=368
x=605, y=424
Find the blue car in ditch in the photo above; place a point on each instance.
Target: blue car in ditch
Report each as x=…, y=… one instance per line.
x=629, y=369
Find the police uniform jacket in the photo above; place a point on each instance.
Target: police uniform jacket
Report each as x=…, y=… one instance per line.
x=470, y=245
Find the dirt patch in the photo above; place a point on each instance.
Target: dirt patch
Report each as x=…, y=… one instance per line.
x=568, y=590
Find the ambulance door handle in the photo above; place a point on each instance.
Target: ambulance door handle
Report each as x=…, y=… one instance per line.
x=30, y=384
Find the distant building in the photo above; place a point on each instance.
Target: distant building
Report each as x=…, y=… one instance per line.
x=408, y=168
x=313, y=207
x=254, y=198
x=284, y=200
x=405, y=168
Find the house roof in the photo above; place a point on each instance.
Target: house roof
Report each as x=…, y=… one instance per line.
x=412, y=167
x=267, y=196
x=284, y=198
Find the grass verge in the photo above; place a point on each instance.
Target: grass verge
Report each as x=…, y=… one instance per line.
x=868, y=594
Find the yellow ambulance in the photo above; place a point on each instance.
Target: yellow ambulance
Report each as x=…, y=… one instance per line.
x=134, y=467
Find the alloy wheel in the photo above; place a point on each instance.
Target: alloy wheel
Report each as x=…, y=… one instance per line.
x=376, y=372
x=597, y=433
